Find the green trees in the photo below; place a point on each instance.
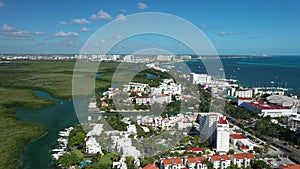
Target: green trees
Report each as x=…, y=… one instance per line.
x=259, y=164
x=77, y=139
x=129, y=160
x=205, y=99
x=115, y=121
x=147, y=160
x=68, y=160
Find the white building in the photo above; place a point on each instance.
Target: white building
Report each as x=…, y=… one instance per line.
x=92, y=146
x=242, y=160
x=220, y=161
x=268, y=109
x=293, y=122
x=129, y=58
x=195, y=162
x=243, y=93
x=200, y=78
x=162, y=98
x=222, y=140
x=131, y=129
x=208, y=125
x=172, y=163
x=234, y=138
x=164, y=57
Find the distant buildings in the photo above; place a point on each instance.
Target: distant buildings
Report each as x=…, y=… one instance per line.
x=200, y=78
x=162, y=98
x=238, y=92
x=165, y=57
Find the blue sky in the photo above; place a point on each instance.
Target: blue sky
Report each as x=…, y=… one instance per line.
x=233, y=26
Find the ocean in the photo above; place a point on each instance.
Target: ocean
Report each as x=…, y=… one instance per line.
x=275, y=71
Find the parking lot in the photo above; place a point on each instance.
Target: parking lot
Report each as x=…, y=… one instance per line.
x=280, y=161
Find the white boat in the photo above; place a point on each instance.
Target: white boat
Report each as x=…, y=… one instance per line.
x=58, y=150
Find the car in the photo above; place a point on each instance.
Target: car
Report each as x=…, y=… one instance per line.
x=278, y=159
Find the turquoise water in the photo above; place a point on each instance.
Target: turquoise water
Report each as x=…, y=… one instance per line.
x=55, y=118
x=284, y=71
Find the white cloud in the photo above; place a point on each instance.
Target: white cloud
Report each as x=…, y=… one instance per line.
x=117, y=36
x=141, y=5
x=20, y=34
x=81, y=21
x=65, y=34
x=101, y=15
x=209, y=27
x=225, y=33
x=121, y=17
x=38, y=33
x=6, y=27
x=2, y=4
x=84, y=29
x=103, y=41
x=63, y=22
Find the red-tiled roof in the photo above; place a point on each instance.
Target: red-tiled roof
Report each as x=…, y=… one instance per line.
x=261, y=104
x=150, y=166
x=197, y=149
x=238, y=136
x=290, y=166
x=243, y=156
x=140, y=97
x=244, y=147
x=196, y=159
x=220, y=157
x=222, y=120
x=173, y=161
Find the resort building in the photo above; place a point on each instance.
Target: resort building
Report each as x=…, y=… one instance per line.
x=242, y=160
x=201, y=78
x=293, y=122
x=220, y=161
x=269, y=109
x=240, y=92
x=172, y=163
x=222, y=139
x=195, y=162
x=215, y=127
x=92, y=146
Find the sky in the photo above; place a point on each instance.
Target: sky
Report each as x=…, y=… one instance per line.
x=253, y=27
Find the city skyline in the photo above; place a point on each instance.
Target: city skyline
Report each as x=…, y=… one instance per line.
x=61, y=27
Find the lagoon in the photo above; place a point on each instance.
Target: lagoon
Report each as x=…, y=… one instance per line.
x=55, y=118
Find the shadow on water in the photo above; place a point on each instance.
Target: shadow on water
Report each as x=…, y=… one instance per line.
x=55, y=118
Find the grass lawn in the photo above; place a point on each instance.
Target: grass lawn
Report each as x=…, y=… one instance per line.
x=106, y=159
x=77, y=152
